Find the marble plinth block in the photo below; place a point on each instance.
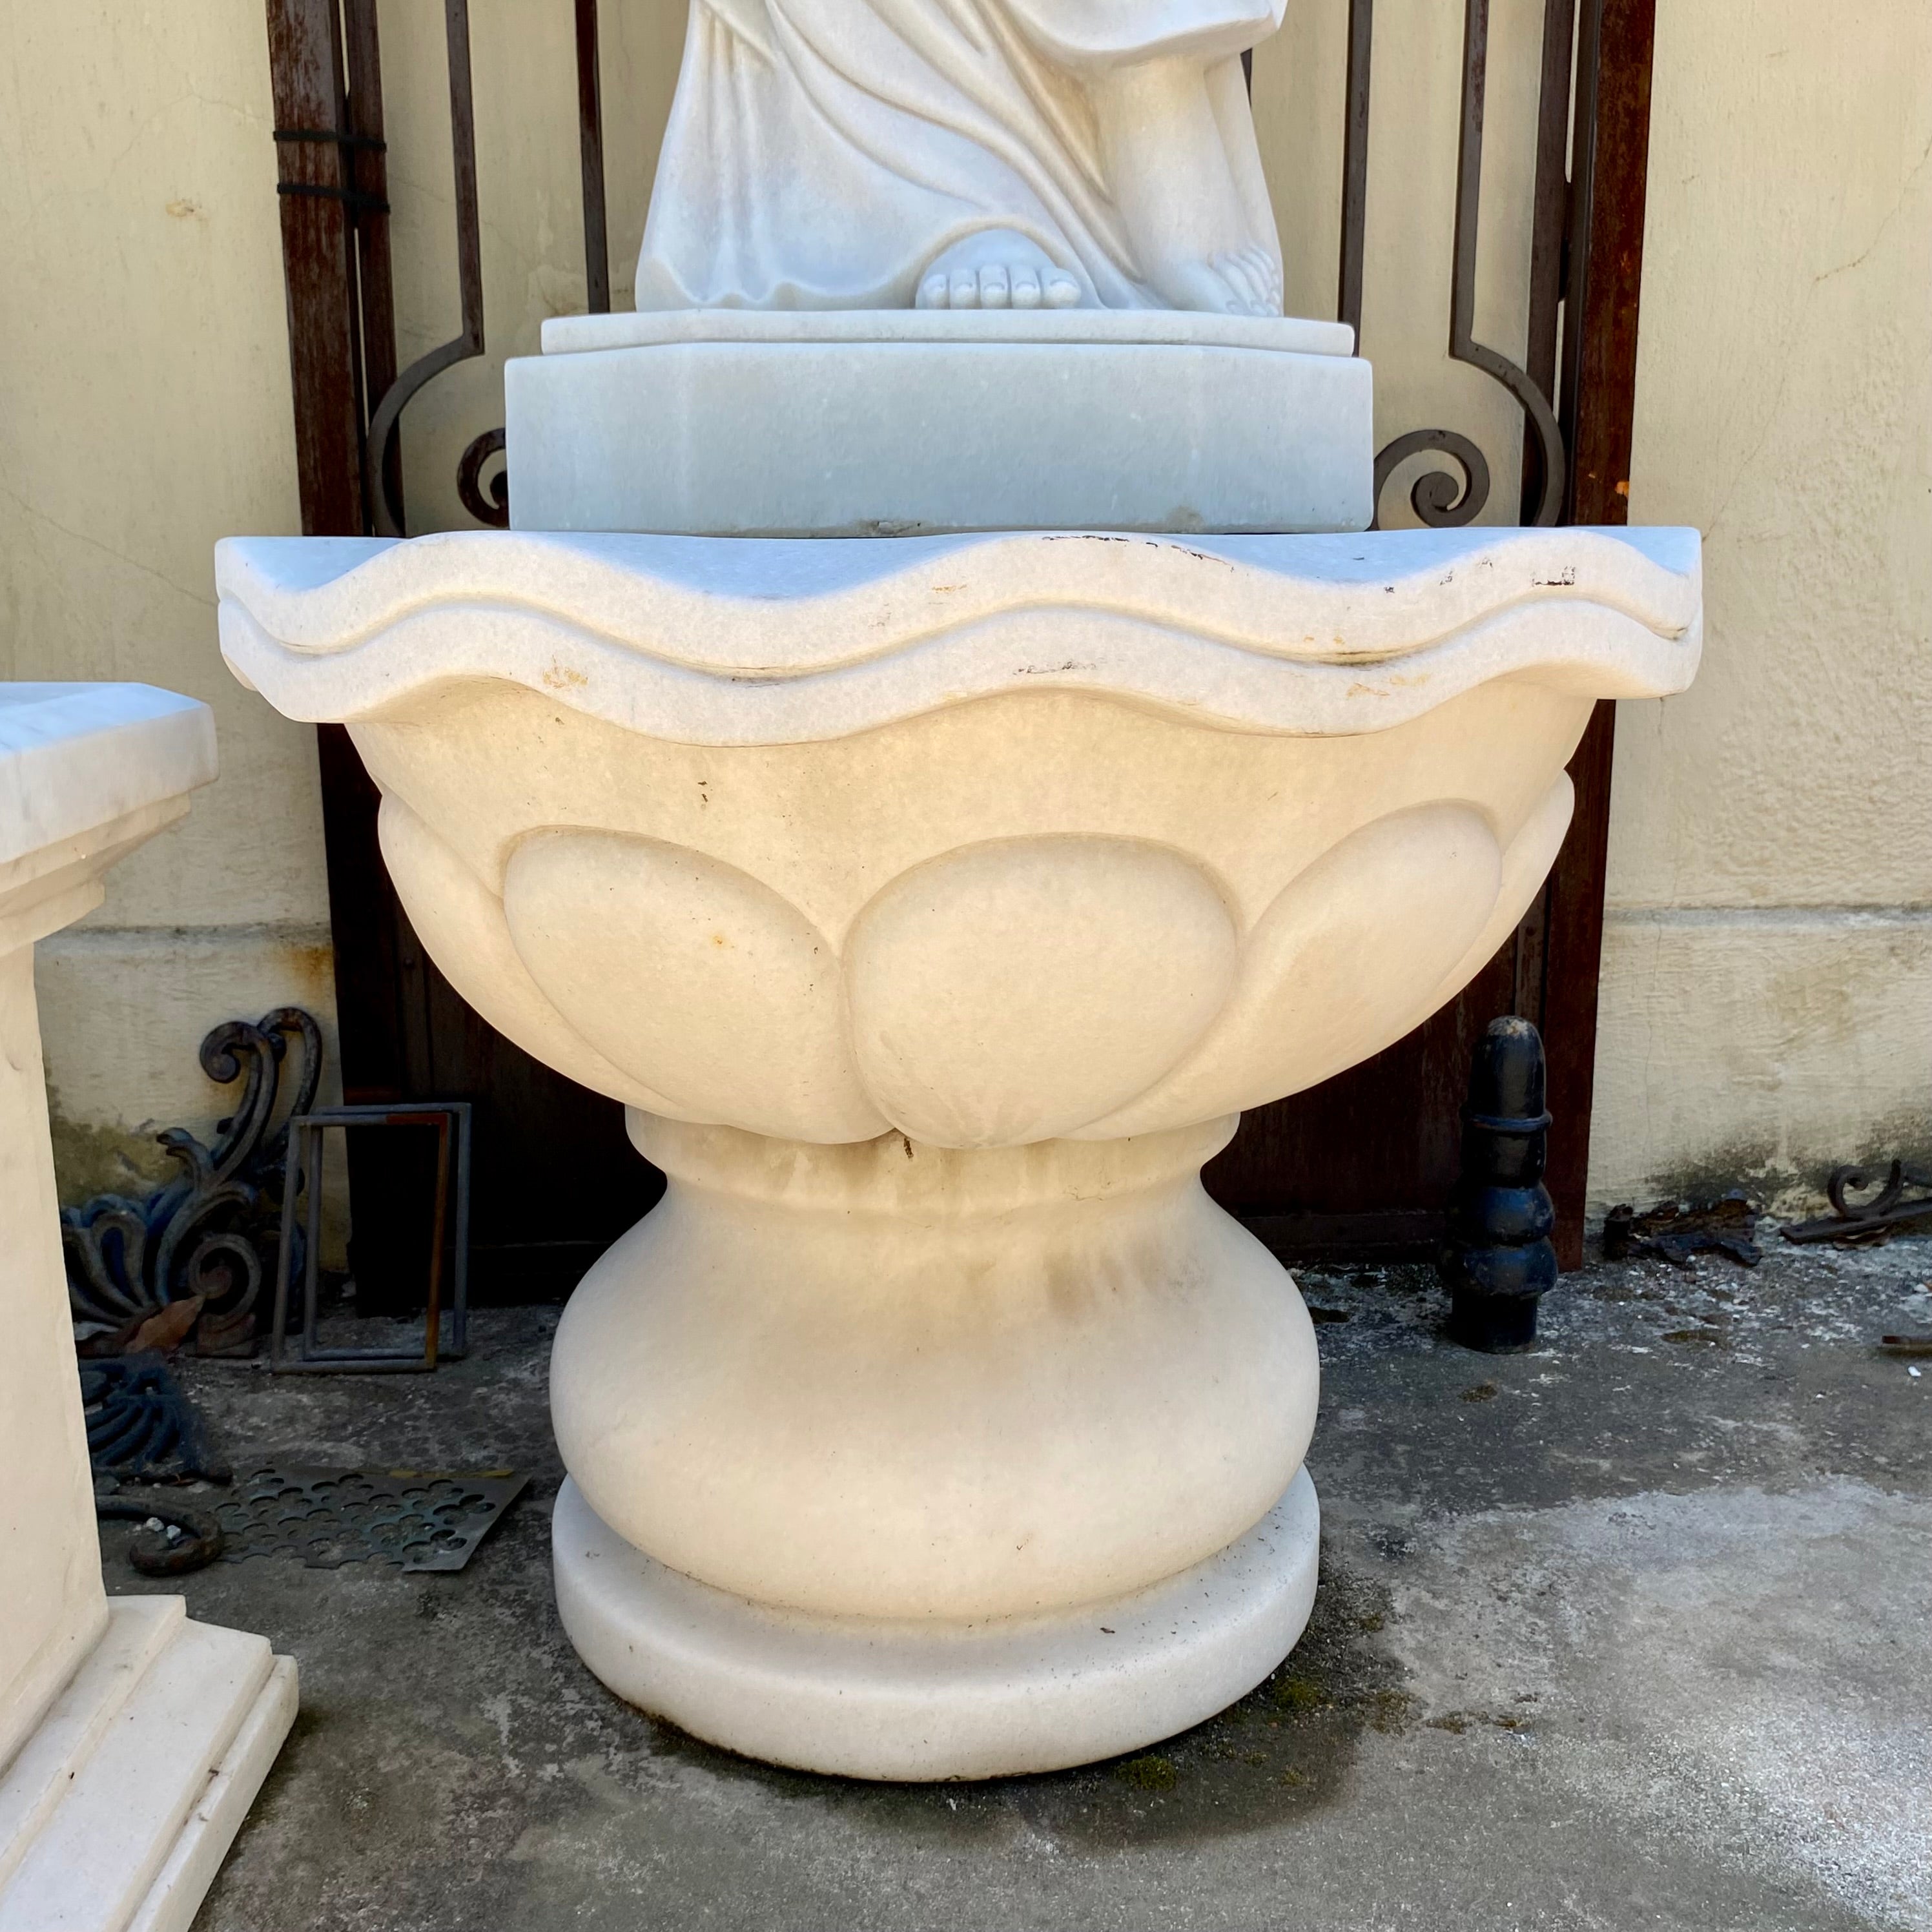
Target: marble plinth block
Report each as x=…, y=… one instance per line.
x=744, y=422
x=132, y=1740
x=935, y=906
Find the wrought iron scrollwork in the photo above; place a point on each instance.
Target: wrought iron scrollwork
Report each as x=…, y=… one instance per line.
x=1890, y=1208
x=494, y=509
x=377, y=468
x=206, y=1233
x=1439, y=499
x=490, y=504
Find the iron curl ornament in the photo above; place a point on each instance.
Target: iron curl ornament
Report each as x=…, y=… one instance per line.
x=206, y=1233
x=1441, y=499
x=488, y=503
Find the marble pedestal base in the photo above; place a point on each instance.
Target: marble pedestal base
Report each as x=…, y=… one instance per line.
x=866, y=1697
x=907, y=1461
x=116, y=1813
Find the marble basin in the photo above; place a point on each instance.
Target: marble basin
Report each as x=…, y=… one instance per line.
x=935, y=905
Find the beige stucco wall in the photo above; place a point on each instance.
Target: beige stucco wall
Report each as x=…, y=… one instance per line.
x=1767, y=990
x=1768, y=985
x=144, y=413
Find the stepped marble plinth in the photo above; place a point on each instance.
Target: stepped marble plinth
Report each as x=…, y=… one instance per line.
x=132, y=1740
x=882, y=422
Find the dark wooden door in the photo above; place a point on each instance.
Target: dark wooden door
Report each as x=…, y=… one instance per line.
x=1362, y=1165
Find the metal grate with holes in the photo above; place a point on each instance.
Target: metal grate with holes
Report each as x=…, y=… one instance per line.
x=420, y=1519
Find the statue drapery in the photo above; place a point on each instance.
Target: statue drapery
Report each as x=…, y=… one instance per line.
x=820, y=153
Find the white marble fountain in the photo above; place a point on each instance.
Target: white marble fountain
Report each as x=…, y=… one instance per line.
x=935, y=900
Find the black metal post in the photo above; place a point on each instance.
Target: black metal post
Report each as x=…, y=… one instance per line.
x=1499, y=1260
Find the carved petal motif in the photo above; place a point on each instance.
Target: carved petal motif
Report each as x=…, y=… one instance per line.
x=1012, y=992
x=1345, y=962
x=1005, y=993
x=460, y=921
x=719, y=992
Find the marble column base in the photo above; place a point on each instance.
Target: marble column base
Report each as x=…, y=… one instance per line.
x=917, y=1699
x=116, y=1812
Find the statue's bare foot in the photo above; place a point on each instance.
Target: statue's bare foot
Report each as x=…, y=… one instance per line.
x=996, y=268
x=1240, y=281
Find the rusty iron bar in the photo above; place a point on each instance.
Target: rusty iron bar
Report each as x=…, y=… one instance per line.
x=305, y=68
x=366, y=159
x=1549, y=221
x=1602, y=291
x=1355, y=170
x=388, y=514
x=590, y=141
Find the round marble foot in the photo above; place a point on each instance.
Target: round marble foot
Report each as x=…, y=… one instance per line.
x=921, y=1699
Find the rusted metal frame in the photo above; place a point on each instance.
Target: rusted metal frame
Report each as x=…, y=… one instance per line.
x=590, y=144
x=325, y=75
x=1609, y=155
x=451, y=1122
x=387, y=516
x=1355, y=166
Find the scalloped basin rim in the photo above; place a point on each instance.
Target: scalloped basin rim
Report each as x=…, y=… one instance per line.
x=722, y=641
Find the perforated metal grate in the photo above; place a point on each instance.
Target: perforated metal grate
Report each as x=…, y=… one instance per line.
x=417, y=1518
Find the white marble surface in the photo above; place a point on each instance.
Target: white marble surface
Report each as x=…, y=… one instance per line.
x=88, y=772
x=116, y=1815
x=744, y=423
x=721, y=641
x=577, y=334
x=885, y=1380
x=876, y=154
x=934, y=905
x=871, y=1697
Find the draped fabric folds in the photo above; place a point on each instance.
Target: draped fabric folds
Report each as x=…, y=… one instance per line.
x=821, y=152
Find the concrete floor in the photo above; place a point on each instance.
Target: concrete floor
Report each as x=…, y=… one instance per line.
x=1631, y=1631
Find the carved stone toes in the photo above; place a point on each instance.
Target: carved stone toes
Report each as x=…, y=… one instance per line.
x=964, y=291
x=933, y=292
x=1026, y=289
x=1062, y=291
x=995, y=288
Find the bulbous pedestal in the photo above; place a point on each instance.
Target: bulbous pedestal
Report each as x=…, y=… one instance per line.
x=945, y=1417
x=935, y=906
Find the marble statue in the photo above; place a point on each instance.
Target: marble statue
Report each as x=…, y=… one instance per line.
x=964, y=154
